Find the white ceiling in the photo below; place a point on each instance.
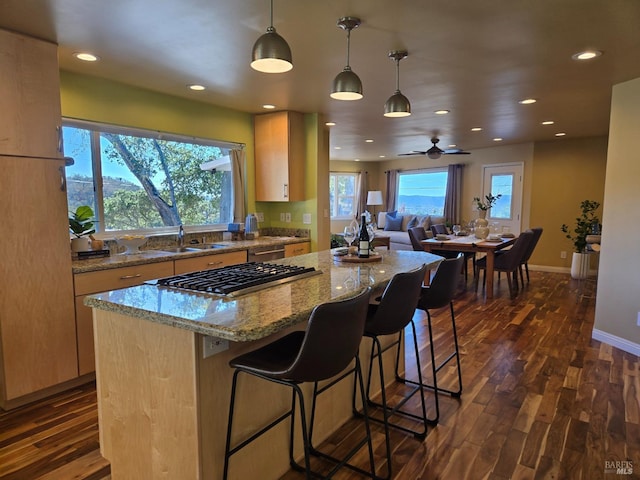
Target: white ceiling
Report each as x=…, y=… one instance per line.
x=476, y=58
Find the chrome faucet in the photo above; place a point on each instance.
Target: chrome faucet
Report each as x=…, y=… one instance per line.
x=181, y=236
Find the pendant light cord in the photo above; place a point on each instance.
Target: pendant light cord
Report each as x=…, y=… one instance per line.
x=397, y=75
x=348, y=45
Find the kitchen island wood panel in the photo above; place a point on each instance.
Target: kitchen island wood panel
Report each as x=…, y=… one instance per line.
x=166, y=418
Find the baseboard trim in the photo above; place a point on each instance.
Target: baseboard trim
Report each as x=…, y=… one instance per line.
x=548, y=268
x=614, y=341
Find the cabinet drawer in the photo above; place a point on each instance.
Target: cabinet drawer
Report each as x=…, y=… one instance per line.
x=113, y=279
x=294, y=249
x=195, y=264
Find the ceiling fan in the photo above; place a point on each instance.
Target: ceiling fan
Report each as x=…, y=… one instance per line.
x=434, y=152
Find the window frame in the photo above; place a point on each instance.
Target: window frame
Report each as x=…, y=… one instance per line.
x=420, y=171
x=95, y=128
x=335, y=175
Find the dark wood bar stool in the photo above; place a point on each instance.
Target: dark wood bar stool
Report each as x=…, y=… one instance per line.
x=326, y=348
x=389, y=317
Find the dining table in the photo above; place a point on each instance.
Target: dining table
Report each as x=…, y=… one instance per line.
x=469, y=243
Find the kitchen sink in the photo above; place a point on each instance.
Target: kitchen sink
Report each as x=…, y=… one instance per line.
x=180, y=249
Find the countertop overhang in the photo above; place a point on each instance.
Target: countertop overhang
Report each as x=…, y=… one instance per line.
x=265, y=312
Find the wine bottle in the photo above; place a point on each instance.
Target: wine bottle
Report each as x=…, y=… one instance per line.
x=363, y=243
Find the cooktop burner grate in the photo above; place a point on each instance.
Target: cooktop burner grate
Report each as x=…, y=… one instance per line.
x=234, y=280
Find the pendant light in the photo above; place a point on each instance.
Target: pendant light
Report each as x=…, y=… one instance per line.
x=347, y=85
x=271, y=53
x=397, y=105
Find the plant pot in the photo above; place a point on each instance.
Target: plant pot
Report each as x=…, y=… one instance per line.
x=80, y=245
x=580, y=266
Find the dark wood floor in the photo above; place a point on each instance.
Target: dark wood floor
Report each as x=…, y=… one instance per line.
x=541, y=399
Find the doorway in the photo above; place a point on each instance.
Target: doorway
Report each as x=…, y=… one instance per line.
x=506, y=180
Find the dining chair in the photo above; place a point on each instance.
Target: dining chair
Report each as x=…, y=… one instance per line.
x=537, y=233
x=417, y=234
x=509, y=262
x=313, y=355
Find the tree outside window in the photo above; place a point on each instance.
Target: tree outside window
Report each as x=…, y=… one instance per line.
x=146, y=182
x=342, y=195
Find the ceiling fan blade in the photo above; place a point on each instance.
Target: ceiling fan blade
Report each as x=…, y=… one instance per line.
x=414, y=152
x=456, y=152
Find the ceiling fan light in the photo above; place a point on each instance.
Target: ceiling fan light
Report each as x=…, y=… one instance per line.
x=434, y=155
x=397, y=106
x=271, y=53
x=346, y=86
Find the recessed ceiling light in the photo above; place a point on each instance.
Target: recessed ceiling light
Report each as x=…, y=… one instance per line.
x=548, y=122
x=497, y=139
x=586, y=55
x=356, y=159
x=453, y=145
x=330, y=124
x=196, y=87
x=337, y=148
x=441, y=112
x=268, y=106
x=527, y=101
x=476, y=129
x=560, y=134
x=368, y=140
x=86, y=56
x=382, y=156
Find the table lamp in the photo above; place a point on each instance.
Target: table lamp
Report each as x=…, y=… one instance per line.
x=374, y=197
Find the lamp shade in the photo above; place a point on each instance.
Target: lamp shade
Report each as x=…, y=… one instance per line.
x=271, y=53
x=374, y=197
x=347, y=86
x=397, y=106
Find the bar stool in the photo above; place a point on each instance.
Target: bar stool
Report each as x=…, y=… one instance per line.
x=390, y=317
x=439, y=294
x=326, y=348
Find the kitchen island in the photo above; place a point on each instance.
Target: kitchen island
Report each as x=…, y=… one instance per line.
x=163, y=397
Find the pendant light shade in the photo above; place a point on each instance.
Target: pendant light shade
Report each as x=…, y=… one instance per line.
x=347, y=85
x=397, y=105
x=271, y=53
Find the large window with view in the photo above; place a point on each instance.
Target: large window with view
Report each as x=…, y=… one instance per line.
x=422, y=192
x=342, y=195
x=139, y=180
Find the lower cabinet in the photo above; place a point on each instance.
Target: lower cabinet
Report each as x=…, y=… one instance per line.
x=209, y=262
x=102, y=281
x=293, y=249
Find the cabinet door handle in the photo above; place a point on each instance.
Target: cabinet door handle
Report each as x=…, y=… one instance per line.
x=63, y=179
x=214, y=263
x=127, y=277
x=60, y=141
x=286, y=191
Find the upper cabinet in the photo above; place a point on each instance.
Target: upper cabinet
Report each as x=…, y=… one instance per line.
x=280, y=157
x=29, y=97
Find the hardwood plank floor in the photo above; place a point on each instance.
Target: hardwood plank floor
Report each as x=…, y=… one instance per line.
x=541, y=400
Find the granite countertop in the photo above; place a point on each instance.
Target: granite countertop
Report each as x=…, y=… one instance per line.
x=153, y=256
x=262, y=313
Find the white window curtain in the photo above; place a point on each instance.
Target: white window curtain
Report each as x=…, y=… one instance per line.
x=237, y=174
x=361, y=193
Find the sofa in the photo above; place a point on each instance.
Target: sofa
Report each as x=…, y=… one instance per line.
x=397, y=228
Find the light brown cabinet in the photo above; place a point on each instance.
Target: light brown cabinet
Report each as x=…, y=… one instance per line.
x=37, y=328
x=208, y=262
x=294, y=249
x=29, y=97
x=103, y=281
x=280, y=157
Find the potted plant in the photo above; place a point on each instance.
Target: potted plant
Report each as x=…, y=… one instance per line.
x=81, y=225
x=483, y=205
x=584, y=226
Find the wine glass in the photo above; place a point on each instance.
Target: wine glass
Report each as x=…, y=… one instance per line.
x=349, y=235
x=456, y=229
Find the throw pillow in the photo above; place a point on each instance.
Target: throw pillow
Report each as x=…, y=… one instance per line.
x=412, y=223
x=424, y=222
x=392, y=224
x=406, y=219
x=393, y=214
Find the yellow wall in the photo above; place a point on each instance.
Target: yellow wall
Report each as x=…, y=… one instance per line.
x=565, y=173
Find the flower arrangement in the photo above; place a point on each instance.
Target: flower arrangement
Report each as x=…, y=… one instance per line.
x=585, y=224
x=487, y=203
